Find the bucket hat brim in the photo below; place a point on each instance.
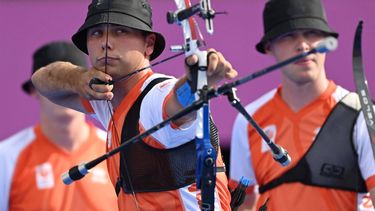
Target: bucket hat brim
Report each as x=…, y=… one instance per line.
x=292, y=25
x=80, y=38
x=28, y=87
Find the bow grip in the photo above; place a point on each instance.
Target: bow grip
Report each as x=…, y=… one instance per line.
x=198, y=71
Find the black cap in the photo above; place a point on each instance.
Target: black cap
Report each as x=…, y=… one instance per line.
x=284, y=16
x=51, y=52
x=136, y=14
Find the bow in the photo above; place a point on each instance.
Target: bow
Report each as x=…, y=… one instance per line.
x=362, y=87
x=206, y=155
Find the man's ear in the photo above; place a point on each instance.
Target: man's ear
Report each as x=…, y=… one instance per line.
x=150, y=43
x=267, y=48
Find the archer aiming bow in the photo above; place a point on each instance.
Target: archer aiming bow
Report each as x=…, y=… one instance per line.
x=206, y=169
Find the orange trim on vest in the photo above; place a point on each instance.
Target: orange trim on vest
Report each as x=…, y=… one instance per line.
x=370, y=183
x=150, y=140
x=165, y=115
x=86, y=105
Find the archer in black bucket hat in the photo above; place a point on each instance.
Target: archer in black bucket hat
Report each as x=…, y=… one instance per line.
x=136, y=14
x=283, y=16
x=51, y=52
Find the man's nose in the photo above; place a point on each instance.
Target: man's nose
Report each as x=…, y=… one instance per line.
x=106, y=43
x=302, y=44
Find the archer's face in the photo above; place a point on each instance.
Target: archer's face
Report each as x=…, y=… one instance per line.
x=121, y=49
x=288, y=45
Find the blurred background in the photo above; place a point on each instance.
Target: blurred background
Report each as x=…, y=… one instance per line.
x=27, y=24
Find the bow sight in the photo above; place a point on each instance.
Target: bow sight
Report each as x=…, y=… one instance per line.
x=203, y=8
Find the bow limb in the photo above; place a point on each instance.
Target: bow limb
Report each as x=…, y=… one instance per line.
x=362, y=87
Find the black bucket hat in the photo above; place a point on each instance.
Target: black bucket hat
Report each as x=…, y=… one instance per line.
x=136, y=14
x=283, y=16
x=51, y=52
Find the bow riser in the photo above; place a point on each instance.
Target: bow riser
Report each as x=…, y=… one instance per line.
x=206, y=155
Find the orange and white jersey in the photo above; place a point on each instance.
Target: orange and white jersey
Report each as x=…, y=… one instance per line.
x=295, y=132
x=31, y=168
x=153, y=112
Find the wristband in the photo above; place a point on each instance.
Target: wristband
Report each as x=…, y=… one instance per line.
x=184, y=95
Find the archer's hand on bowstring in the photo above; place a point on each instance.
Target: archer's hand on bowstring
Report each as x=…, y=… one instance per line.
x=65, y=83
x=95, y=85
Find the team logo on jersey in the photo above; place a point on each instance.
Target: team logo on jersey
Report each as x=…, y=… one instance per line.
x=364, y=202
x=270, y=131
x=99, y=175
x=44, y=176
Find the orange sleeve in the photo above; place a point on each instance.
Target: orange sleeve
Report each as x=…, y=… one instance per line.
x=370, y=182
x=165, y=115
